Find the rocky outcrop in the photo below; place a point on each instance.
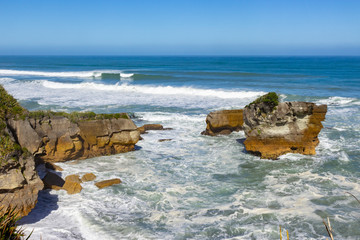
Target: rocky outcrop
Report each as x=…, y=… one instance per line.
x=107, y=183
x=19, y=181
x=57, y=138
x=224, y=122
x=19, y=184
x=273, y=129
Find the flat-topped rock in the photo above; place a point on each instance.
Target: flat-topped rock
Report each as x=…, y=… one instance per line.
x=108, y=183
x=224, y=122
x=273, y=129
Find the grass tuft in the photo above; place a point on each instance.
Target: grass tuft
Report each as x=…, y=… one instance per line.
x=9, y=229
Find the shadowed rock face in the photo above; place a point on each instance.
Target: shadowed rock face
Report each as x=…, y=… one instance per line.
x=224, y=122
x=290, y=127
x=57, y=139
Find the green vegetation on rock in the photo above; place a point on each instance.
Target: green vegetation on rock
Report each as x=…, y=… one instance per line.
x=9, y=229
x=74, y=116
x=9, y=107
x=271, y=99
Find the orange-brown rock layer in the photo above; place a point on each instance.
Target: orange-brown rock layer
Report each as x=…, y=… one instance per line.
x=292, y=127
x=57, y=138
x=224, y=122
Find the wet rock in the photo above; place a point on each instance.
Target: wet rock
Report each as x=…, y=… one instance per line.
x=88, y=177
x=72, y=184
x=164, y=140
x=107, y=183
x=153, y=127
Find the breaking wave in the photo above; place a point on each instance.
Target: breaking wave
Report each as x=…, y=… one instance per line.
x=103, y=74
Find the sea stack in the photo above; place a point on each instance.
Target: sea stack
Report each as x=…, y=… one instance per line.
x=273, y=129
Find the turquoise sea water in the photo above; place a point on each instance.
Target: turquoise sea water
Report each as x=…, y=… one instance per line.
x=198, y=187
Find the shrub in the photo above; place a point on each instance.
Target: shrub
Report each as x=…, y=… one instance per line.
x=9, y=229
x=271, y=99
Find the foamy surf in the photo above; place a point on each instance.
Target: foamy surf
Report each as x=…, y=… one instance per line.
x=157, y=90
x=76, y=74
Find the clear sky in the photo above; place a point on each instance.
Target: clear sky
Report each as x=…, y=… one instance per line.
x=180, y=27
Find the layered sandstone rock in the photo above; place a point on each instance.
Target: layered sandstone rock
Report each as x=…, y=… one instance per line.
x=19, y=181
x=224, y=122
x=57, y=138
x=273, y=129
x=19, y=184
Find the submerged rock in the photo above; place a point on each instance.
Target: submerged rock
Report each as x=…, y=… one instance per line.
x=273, y=129
x=224, y=122
x=108, y=183
x=165, y=140
x=153, y=127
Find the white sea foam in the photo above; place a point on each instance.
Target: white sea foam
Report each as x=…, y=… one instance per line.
x=338, y=101
x=77, y=74
x=6, y=80
x=96, y=94
x=159, y=90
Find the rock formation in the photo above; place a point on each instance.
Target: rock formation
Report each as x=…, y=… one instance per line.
x=273, y=129
x=107, y=183
x=53, y=138
x=19, y=182
x=224, y=122
x=72, y=184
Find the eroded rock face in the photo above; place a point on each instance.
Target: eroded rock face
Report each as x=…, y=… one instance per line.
x=224, y=122
x=290, y=127
x=57, y=139
x=19, y=184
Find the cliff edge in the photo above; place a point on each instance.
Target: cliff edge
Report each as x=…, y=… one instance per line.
x=19, y=181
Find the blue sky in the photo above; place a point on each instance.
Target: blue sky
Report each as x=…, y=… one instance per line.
x=185, y=27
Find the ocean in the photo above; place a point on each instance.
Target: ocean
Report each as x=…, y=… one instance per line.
x=195, y=186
